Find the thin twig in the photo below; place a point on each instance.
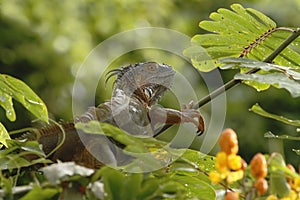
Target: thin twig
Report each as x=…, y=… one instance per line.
x=234, y=82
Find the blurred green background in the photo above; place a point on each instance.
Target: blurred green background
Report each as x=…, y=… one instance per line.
x=44, y=43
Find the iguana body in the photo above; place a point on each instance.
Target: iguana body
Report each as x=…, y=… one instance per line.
x=137, y=89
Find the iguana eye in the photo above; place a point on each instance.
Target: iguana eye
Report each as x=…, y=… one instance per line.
x=152, y=66
x=148, y=92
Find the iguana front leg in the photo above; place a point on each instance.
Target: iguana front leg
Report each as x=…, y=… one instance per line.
x=171, y=116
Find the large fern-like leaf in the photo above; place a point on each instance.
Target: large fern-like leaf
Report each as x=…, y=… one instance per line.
x=240, y=32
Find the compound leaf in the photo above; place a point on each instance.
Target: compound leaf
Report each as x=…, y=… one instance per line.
x=240, y=32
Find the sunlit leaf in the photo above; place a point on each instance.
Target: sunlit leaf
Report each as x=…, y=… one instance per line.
x=149, y=153
x=257, y=85
x=132, y=143
x=278, y=183
x=40, y=193
x=292, y=75
x=13, y=162
x=202, y=161
x=7, y=104
x=283, y=137
x=176, y=186
x=196, y=188
x=200, y=58
x=113, y=181
x=240, y=32
x=29, y=146
x=277, y=80
x=253, y=64
x=3, y=136
x=258, y=110
x=18, y=90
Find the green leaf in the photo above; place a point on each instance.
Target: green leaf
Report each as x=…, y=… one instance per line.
x=113, y=181
x=132, y=186
x=283, y=137
x=240, y=32
x=286, y=79
x=132, y=143
x=11, y=87
x=40, y=193
x=7, y=104
x=258, y=110
x=202, y=161
x=150, y=153
x=253, y=64
x=195, y=188
x=13, y=162
x=118, y=185
x=277, y=80
x=149, y=188
x=29, y=146
x=200, y=58
x=278, y=183
x=176, y=186
x=3, y=136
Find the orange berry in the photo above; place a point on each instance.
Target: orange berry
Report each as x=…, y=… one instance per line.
x=290, y=179
x=244, y=165
x=228, y=141
x=261, y=185
x=291, y=167
x=231, y=196
x=258, y=166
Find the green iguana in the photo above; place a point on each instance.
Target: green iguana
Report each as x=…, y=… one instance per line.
x=137, y=89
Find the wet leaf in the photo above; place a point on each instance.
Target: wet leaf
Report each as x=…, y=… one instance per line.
x=3, y=136
x=253, y=64
x=202, y=161
x=278, y=182
x=258, y=110
x=7, y=104
x=277, y=80
x=196, y=188
x=11, y=87
x=283, y=137
x=40, y=193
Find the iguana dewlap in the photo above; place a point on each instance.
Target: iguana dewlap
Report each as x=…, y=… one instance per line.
x=137, y=89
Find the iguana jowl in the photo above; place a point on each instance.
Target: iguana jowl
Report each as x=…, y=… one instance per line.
x=137, y=89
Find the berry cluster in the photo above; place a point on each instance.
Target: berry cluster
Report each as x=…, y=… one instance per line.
x=260, y=179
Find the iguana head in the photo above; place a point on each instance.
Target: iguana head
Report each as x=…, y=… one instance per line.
x=144, y=81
